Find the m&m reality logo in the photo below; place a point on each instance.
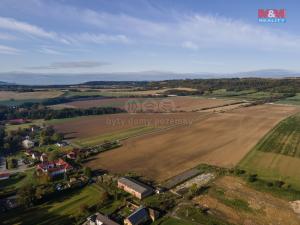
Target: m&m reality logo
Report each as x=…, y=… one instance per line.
x=272, y=15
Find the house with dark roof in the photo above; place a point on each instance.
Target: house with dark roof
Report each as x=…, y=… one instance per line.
x=134, y=187
x=141, y=215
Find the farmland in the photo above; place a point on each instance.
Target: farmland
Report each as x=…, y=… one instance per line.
x=277, y=155
x=185, y=104
x=231, y=199
x=6, y=95
x=221, y=139
x=96, y=129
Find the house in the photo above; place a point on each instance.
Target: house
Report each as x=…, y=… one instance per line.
x=54, y=168
x=44, y=157
x=141, y=215
x=72, y=154
x=61, y=144
x=99, y=219
x=27, y=144
x=135, y=188
x=4, y=176
x=35, y=155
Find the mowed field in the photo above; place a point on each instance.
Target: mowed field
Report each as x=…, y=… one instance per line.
x=221, y=139
x=277, y=155
x=185, y=104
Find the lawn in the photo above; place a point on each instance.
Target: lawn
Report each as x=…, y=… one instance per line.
x=17, y=180
x=277, y=155
x=171, y=221
x=59, y=211
x=24, y=125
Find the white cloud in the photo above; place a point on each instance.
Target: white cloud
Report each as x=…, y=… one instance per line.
x=9, y=50
x=98, y=38
x=190, y=45
x=70, y=65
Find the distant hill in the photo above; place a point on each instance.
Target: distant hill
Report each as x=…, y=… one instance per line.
x=27, y=78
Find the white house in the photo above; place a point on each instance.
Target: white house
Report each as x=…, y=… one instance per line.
x=27, y=144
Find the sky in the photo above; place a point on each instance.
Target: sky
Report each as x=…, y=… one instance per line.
x=180, y=36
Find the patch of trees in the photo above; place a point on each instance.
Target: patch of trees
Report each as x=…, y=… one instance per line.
x=183, y=92
x=8, y=113
x=287, y=85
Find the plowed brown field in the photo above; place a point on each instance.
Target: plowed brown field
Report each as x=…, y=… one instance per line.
x=221, y=139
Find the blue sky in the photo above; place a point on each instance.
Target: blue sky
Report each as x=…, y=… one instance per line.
x=183, y=36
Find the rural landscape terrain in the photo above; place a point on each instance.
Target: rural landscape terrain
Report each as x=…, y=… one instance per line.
x=218, y=151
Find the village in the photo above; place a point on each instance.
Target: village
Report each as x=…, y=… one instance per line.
x=62, y=169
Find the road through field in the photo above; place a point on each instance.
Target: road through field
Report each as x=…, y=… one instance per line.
x=221, y=139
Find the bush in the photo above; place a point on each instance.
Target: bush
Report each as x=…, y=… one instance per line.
x=252, y=178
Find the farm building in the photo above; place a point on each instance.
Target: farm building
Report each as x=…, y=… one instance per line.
x=54, y=168
x=99, y=219
x=136, y=188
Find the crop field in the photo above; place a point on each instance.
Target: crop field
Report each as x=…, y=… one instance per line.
x=54, y=212
x=231, y=198
x=185, y=104
x=8, y=95
x=95, y=129
x=221, y=139
x=277, y=155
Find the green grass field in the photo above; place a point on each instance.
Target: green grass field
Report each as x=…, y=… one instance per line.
x=250, y=95
x=18, y=180
x=58, y=211
x=291, y=100
x=277, y=155
x=171, y=221
x=95, y=140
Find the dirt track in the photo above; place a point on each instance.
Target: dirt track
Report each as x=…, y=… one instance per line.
x=221, y=139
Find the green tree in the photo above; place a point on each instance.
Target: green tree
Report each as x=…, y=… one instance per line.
x=87, y=171
x=53, y=155
x=26, y=195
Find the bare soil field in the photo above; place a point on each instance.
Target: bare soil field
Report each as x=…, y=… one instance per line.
x=185, y=104
x=221, y=139
x=85, y=127
x=230, y=198
x=7, y=95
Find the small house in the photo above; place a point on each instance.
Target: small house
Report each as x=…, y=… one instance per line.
x=27, y=143
x=99, y=219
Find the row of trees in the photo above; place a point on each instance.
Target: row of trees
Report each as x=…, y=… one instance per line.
x=8, y=113
x=288, y=85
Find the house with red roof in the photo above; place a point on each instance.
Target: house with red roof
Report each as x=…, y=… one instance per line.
x=54, y=168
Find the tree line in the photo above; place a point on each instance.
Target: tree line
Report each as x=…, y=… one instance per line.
x=9, y=113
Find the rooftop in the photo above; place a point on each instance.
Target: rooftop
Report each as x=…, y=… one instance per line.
x=138, y=215
x=135, y=185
